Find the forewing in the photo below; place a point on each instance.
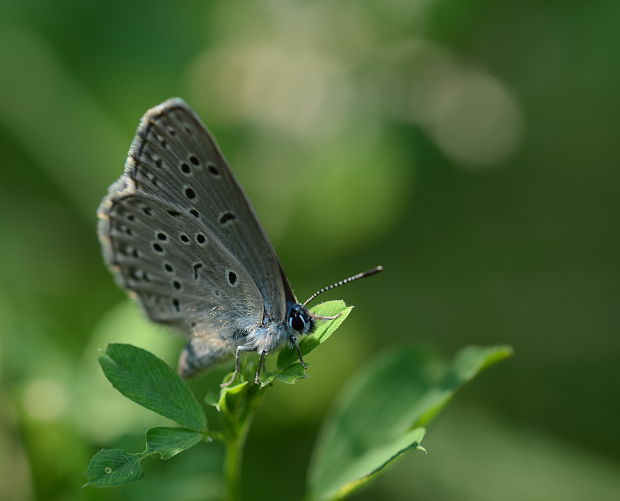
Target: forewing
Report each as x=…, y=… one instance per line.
x=175, y=157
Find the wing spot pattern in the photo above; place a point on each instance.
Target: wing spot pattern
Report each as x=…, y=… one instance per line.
x=190, y=193
x=125, y=250
x=138, y=275
x=213, y=170
x=196, y=267
x=227, y=217
x=124, y=229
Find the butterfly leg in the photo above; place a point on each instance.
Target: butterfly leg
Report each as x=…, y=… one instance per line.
x=294, y=342
x=237, y=365
x=261, y=364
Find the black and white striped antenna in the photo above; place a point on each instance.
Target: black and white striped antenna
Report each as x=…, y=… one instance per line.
x=342, y=282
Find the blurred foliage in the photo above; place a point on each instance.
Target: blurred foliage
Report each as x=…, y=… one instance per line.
x=469, y=146
x=369, y=428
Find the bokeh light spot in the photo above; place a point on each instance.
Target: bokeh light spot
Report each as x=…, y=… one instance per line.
x=45, y=399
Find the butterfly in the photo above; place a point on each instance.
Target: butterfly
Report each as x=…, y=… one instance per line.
x=180, y=235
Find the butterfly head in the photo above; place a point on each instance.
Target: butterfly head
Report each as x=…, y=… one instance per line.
x=299, y=319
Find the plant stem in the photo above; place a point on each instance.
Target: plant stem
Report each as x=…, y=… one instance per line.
x=237, y=407
x=232, y=468
x=234, y=456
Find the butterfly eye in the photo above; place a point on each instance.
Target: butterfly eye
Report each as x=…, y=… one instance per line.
x=297, y=323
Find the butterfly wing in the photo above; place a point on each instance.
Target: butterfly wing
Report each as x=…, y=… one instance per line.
x=175, y=148
x=179, y=232
x=180, y=274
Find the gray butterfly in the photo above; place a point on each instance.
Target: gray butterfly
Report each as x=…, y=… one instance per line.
x=181, y=236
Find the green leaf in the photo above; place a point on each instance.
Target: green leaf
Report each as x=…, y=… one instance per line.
x=325, y=328
x=212, y=399
x=237, y=405
x=380, y=413
x=168, y=442
x=230, y=397
x=113, y=467
x=148, y=381
x=465, y=366
x=290, y=374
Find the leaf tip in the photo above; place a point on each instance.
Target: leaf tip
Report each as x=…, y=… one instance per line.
x=507, y=350
x=500, y=352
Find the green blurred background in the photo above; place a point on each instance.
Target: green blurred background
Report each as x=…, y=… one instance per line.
x=469, y=146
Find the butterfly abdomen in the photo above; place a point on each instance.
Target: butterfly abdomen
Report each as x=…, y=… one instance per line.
x=203, y=352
